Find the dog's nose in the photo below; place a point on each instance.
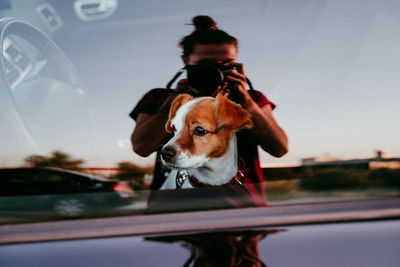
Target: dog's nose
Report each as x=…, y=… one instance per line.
x=167, y=153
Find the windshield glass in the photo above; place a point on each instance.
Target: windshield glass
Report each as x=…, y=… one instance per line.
x=290, y=102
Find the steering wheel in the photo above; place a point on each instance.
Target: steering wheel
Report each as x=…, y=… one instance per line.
x=35, y=106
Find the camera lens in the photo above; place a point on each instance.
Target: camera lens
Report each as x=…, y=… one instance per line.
x=205, y=76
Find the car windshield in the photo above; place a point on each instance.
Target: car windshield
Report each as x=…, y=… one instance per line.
x=82, y=81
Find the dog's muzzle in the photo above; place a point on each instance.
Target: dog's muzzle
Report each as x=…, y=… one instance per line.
x=168, y=153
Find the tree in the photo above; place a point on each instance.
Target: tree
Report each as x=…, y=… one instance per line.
x=57, y=159
x=133, y=174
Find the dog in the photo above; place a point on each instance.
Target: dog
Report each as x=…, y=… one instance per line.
x=203, y=150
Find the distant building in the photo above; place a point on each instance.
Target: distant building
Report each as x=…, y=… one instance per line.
x=316, y=160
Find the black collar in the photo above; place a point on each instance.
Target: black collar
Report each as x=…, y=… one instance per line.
x=181, y=177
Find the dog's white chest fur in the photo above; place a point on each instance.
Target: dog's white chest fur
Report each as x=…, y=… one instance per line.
x=216, y=171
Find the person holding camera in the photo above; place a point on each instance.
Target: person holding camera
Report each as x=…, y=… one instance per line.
x=211, y=53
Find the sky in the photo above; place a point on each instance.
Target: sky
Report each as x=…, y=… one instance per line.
x=331, y=67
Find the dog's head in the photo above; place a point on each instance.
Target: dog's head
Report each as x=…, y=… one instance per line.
x=202, y=129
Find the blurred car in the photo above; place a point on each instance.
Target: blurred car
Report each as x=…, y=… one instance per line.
x=62, y=192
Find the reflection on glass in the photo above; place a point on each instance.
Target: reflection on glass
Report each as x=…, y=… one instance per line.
x=221, y=248
x=69, y=79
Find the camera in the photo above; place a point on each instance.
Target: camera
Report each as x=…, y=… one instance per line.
x=206, y=76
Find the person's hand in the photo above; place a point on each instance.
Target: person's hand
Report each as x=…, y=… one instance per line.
x=236, y=84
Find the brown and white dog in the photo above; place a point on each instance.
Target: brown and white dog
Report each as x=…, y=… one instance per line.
x=204, y=141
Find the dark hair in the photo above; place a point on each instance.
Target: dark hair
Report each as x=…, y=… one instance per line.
x=205, y=32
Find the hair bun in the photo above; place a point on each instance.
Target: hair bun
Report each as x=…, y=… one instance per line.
x=204, y=23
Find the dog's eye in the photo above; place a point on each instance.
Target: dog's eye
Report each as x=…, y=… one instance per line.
x=199, y=131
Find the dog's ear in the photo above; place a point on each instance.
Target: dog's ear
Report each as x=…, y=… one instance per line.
x=176, y=103
x=230, y=115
